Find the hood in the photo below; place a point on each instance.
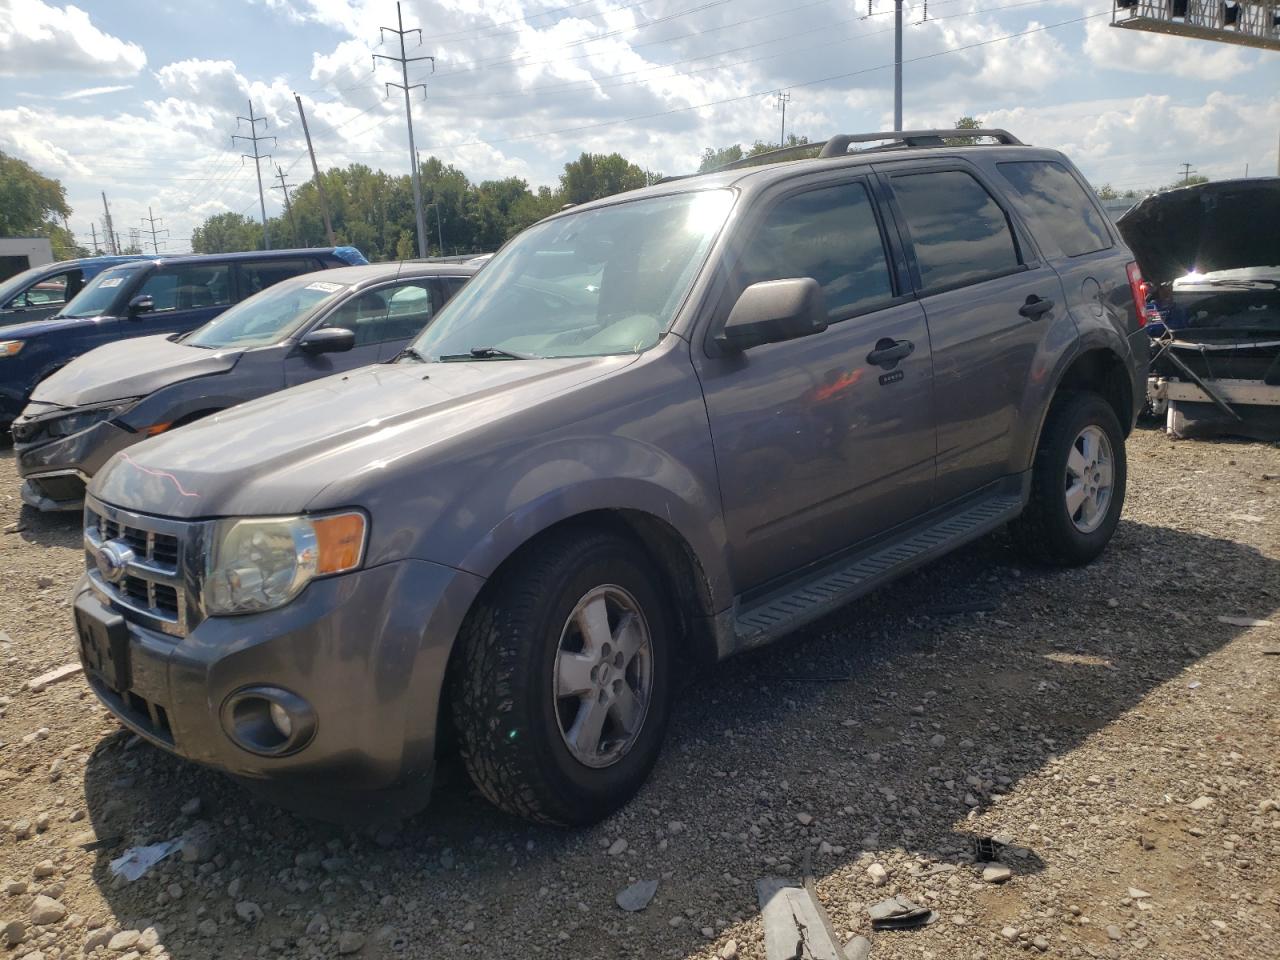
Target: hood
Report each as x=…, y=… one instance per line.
x=38, y=328
x=130, y=368
x=1211, y=226
x=276, y=454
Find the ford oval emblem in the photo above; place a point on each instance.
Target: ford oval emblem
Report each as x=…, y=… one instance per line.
x=113, y=559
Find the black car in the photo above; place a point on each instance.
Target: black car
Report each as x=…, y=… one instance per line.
x=165, y=295
x=299, y=330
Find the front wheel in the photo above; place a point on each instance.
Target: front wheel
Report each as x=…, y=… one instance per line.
x=561, y=680
x=1077, y=484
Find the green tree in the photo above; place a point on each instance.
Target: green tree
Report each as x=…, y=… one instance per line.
x=713, y=159
x=31, y=205
x=1107, y=192
x=964, y=123
x=226, y=233
x=596, y=175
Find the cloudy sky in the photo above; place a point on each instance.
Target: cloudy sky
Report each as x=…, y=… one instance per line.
x=140, y=97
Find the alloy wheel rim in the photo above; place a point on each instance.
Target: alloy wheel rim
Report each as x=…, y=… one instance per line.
x=1089, y=479
x=602, y=682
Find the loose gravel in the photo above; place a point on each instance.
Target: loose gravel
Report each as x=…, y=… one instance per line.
x=1088, y=768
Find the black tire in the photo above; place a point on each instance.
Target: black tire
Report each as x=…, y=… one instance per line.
x=1046, y=532
x=501, y=681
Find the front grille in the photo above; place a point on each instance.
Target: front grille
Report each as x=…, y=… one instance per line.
x=143, y=714
x=151, y=587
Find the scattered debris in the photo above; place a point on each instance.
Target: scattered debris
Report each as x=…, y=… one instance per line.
x=36, y=684
x=1201, y=803
x=878, y=874
x=1244, y=621
x=795, y=926
x=988, y=849
x=637, y=896
x=136, y=861
x=899, y=913
x=996, y=873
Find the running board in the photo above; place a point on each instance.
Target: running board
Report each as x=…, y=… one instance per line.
x=834, y=585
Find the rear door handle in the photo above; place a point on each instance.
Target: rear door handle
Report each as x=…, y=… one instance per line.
x=889, y=352
x=1035, y=307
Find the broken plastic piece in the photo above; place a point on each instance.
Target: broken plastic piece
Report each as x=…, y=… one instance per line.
x=898, y=913
x=136, y=861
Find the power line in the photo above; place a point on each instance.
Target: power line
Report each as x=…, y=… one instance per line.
x=253, y=138
x=153, y=220
x=288, y=208
x=404, y=60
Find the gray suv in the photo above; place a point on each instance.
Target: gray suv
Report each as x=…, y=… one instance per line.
x=654, y=431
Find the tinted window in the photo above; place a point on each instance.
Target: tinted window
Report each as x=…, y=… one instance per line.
x=1058, y=205
x=829, y=234
x=392, y=313
x=257, y=275
x=51, y=291
x=105, y=292
x=959, y=233
x=189, y=287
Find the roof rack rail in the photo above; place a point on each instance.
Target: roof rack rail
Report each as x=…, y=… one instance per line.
x=838, y=146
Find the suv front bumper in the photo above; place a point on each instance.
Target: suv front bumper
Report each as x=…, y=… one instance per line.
x=367, y=651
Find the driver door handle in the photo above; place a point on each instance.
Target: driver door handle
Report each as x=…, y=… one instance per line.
x=1035, y=307
x=888, y=352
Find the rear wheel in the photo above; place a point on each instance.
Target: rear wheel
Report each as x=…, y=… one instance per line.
x=1077, y=485
x=560, y=687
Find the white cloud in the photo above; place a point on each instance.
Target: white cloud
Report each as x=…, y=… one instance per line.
x=1113, y=48
x=40, y=38
x=88, y=92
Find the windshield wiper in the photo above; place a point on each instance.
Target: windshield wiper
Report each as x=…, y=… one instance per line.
x=489, y=353
x=411, y=353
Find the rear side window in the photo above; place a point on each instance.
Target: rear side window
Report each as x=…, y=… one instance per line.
x=830, y=234
x=189, y=287
x=1058, y=205
x=257, y=275
x=959, y=232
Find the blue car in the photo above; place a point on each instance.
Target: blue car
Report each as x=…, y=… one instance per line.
x=41, y=292
x=142, y=298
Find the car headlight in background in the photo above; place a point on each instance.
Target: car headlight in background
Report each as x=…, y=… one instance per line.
x=259, y=564
x=9, y=348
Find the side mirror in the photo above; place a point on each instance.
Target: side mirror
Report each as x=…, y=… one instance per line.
x=775, y=310
x=328, y=340
x=144, y=303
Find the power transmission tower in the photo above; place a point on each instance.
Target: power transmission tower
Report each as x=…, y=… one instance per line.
x=288, y=207
x=404, y=62
x=135, y=239
x=784, y=97
x=257, y=159
x=153, y=220
x=324, y=201
x=1186, y=174
x=112, y=245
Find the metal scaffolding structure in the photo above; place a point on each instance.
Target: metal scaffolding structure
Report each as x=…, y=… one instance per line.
x=1243, y=23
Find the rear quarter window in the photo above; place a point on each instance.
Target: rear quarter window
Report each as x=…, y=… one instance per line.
x=1058, y=206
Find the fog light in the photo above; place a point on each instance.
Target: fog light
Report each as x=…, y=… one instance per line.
x=280, y=717
x=268, y=721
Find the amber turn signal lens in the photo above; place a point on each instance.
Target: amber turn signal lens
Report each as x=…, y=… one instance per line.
x=155, y=428
x=340, y=540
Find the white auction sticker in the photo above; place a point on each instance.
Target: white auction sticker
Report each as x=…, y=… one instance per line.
x=110, y=282
x=324, y=286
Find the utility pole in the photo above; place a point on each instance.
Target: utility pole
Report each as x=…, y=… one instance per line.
x=288, y=207
x=153, y=220
x=108, y=227
x=404, y=62
x=1186, y=174
x=93, y=228
x=324, y=201
x=257, y=159
x=897, y=64
x=784, y=97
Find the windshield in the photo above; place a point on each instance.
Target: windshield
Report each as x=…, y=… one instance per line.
x=600, y=282
x=267, y=317
x=99, y=294
x=16, y=284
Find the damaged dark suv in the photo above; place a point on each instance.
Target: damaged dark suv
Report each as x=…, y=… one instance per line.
x=654, y=431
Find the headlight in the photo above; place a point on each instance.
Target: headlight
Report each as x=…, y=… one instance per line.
x=10, y=347
x=260, y=564
x=65, y=426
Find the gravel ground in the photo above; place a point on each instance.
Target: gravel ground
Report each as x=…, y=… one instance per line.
x=1105, y=722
